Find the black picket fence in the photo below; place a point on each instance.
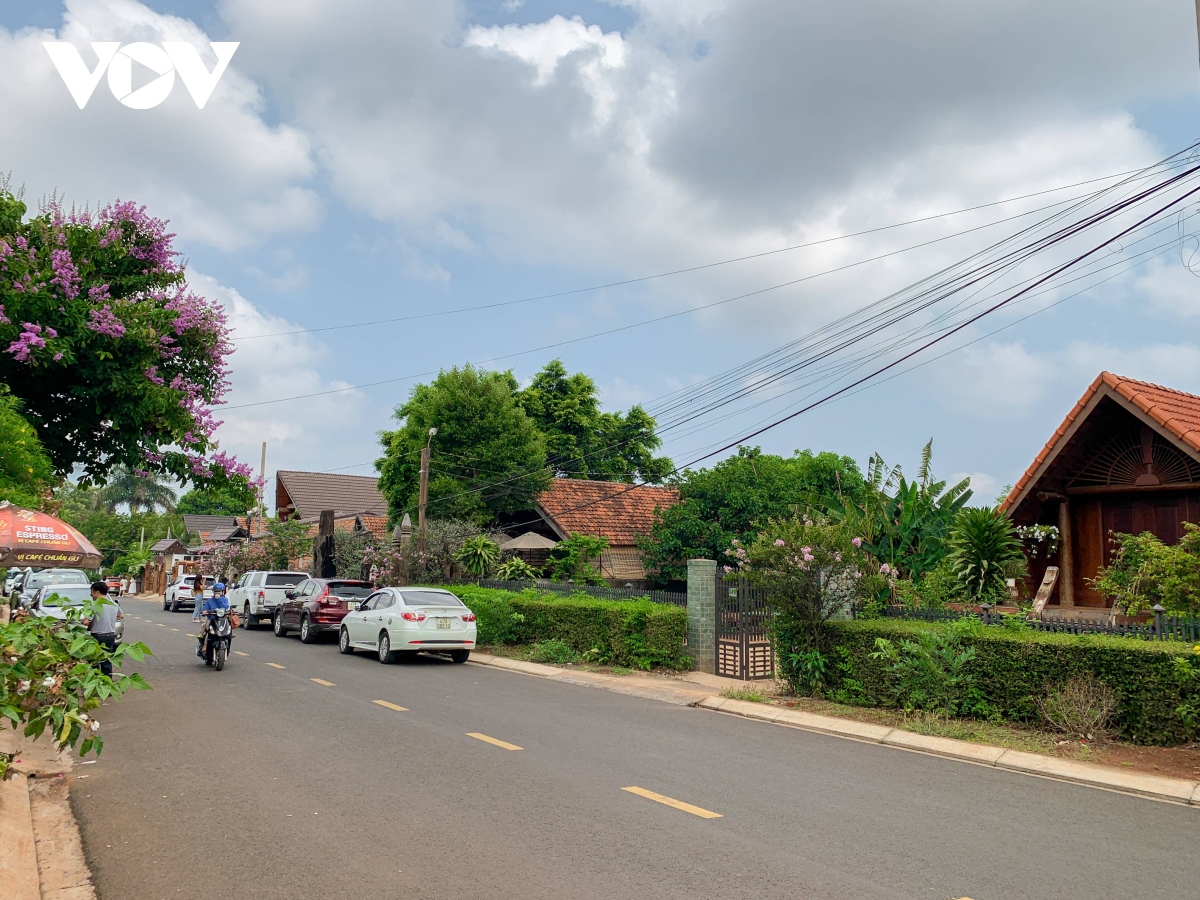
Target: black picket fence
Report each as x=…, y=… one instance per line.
x=1162, y=628
x=604, y=593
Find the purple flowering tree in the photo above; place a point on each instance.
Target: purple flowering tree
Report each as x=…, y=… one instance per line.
x=811, y=570
x=116, y=361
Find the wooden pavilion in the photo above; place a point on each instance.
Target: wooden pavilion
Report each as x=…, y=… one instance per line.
x=1126, y=459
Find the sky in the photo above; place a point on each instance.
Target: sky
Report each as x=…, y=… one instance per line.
x=364, y=160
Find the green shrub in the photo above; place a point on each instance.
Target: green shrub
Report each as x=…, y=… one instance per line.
x=635, y=633
x=554, y=652
x=1145, y=571
x=516, y=569
x=1012, y=670
x=982, y=544
x=932, y=671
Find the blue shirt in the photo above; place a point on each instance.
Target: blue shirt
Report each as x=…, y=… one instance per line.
x=215, y=603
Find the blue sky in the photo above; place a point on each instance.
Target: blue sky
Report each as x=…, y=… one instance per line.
x=367, y=160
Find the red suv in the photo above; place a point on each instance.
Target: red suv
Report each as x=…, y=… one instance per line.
x=318, y=605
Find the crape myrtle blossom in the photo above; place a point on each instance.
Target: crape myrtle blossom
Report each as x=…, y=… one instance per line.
x=73, y=286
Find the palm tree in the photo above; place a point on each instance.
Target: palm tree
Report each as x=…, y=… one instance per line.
x=137, y=490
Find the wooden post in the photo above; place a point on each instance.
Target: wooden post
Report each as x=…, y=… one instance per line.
x=1066, y=556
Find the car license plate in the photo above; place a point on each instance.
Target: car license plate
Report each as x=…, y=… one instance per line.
x=443, y=623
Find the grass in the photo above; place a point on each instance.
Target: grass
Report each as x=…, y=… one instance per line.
x=748, y=694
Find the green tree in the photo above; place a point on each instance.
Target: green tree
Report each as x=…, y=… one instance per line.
x=736, y=497
x=584, y=442
x=116, y=360
x=228, y=497
x=489, y=457
x=137, y=490
x=25, y=469
x=905, y=523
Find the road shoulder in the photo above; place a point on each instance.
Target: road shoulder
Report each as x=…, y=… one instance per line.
x=1139, y=784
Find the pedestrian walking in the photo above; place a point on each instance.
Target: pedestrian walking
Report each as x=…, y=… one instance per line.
x=197, y=598
x=124, y=586
x=103, y=623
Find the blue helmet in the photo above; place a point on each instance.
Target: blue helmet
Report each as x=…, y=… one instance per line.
x=219, y=587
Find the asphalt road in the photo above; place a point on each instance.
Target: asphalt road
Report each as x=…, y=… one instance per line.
x=262, y=782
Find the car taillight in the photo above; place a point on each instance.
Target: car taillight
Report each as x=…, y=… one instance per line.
x=469, y=617
x=410, y=616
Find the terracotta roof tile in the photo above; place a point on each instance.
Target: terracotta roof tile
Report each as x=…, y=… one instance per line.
x=1176, y=411
x=619, y=512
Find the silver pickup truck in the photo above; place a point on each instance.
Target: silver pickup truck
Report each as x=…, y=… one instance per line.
x=256, y=594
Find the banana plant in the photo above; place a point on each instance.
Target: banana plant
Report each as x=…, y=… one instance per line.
x=905, y=523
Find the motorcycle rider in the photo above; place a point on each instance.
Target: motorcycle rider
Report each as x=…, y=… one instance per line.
x=217, y=601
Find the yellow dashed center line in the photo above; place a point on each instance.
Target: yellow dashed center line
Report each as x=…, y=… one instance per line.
x=676, y=804
x=323, y=681
x=491, y=740
x=176, y=629
x=160, y=624
x=384, y=703
x=276, y=666
x=238, y=652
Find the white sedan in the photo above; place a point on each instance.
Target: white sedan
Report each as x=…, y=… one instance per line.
x=401, y=620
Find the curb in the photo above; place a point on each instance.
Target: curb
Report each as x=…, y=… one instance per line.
x=19, y=878
x=620, y=684
x=1154, y=787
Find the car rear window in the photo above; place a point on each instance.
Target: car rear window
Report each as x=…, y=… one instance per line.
x=60, y=578
x=284, y=580
x=67, y=595
x=430, y=598
x=342, y=589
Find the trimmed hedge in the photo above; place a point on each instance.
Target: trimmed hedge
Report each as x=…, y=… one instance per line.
x=1014, y=668
x=636, y=633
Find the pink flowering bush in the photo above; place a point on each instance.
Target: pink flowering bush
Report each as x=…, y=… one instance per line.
x=812, y=570
x=115, y=360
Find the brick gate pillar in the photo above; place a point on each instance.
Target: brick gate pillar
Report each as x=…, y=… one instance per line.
x=702, y=614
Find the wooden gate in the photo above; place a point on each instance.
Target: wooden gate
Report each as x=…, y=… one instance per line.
x=743, y=642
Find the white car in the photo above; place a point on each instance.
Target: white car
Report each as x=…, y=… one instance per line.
x=402, y=620
x=179, y=592
x=256, y=594
x=50, y=578
x=53, y=601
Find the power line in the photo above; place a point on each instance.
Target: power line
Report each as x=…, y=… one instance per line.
x=656, y=319
x=683, y=271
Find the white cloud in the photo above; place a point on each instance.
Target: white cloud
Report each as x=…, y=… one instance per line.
x=543, y=44
x=309, y=433
x=223, y=175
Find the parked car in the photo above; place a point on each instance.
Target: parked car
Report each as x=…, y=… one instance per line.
x=114, y=584
x=53, y=601
x=51, y=578
x=401, y=620
x=318, y=604
x=178, y=594
x=14, y=579
x=257, y=594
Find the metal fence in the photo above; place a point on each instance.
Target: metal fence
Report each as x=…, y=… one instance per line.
x=674, y=598
x=1162, y=628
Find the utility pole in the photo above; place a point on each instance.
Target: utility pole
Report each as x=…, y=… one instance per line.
x=262, y=482
x=142, y=540
x=423, y=498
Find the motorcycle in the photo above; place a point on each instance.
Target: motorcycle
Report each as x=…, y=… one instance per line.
x=218, y=635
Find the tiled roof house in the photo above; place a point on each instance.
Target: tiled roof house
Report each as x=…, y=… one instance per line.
x=619, y=512
x=303, y=495
x=1126, y=459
